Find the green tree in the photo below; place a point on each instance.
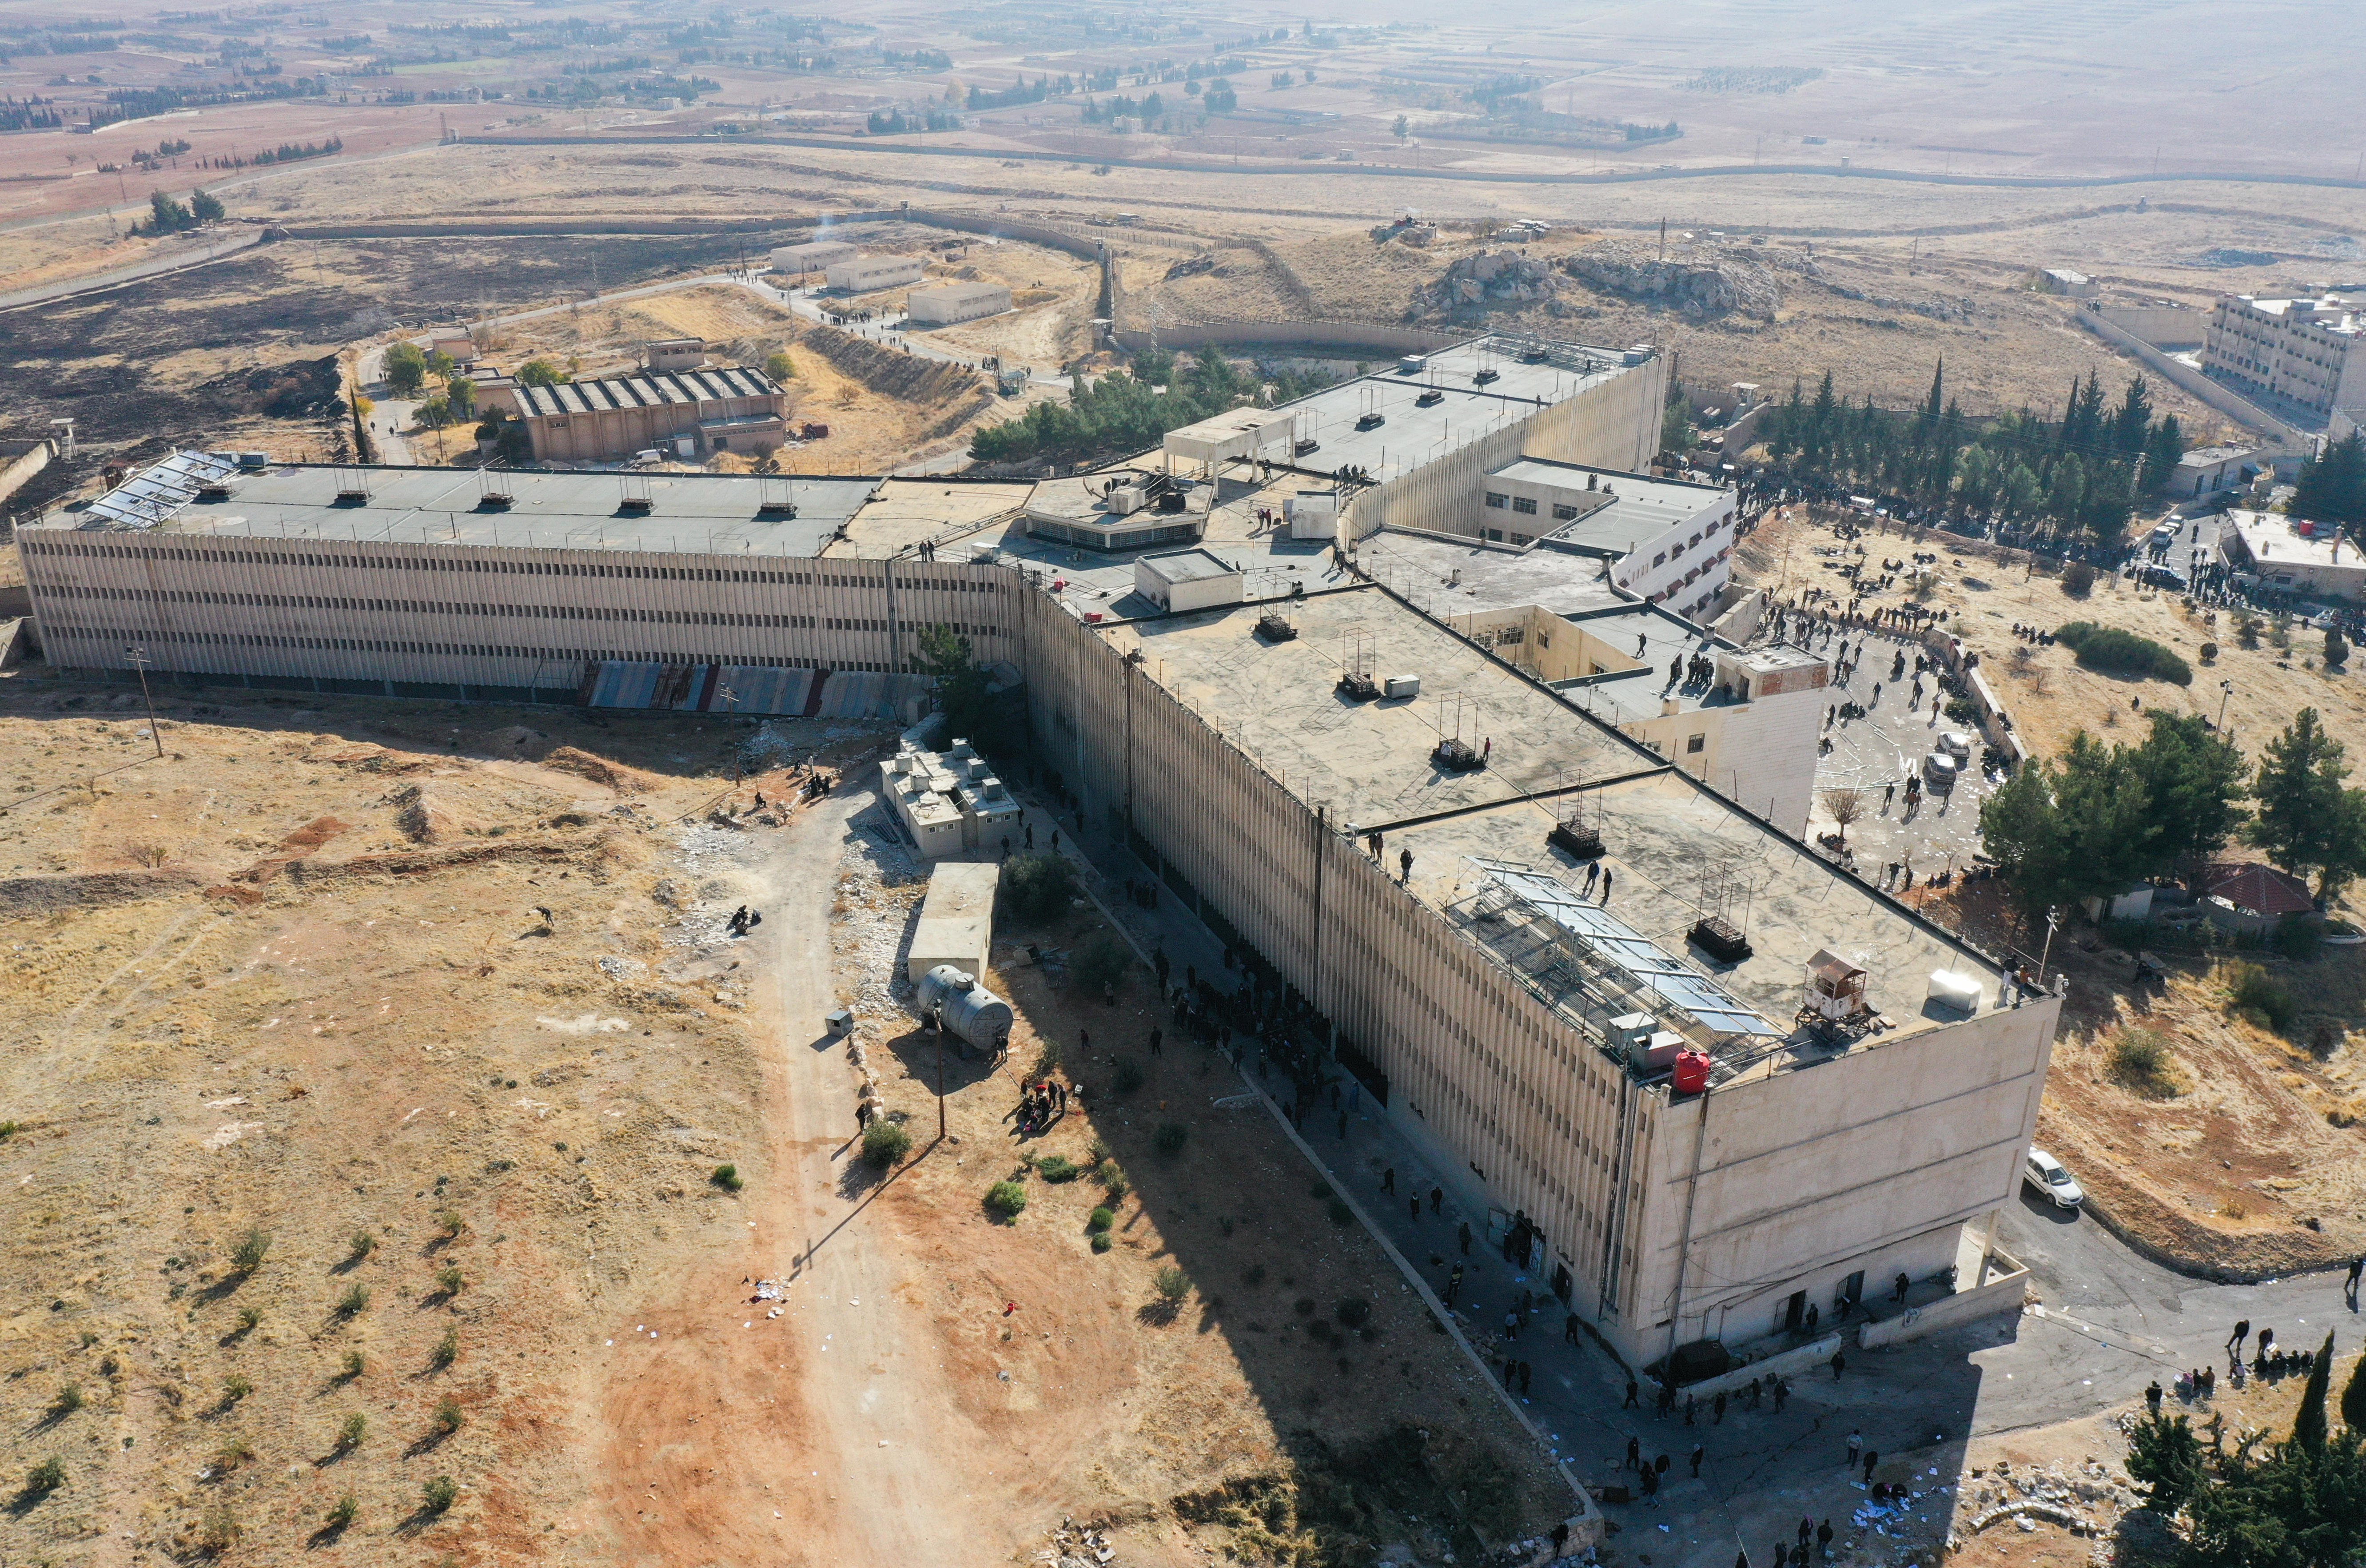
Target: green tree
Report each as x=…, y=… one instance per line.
x=779, y=367
x=1400, y=129
x=2305, y=819
x=2163, y=446
x=2104, y=817
x=460, y=396
x=2309, y=1427
x=204, y=207
x=2194, y=781
x=167, y=216
x=2021, y=831
x=973, y=710
x=2332, y=485
x=406, y=369
x=2353, y=1396
x=540, y=373
x=2165, y=1457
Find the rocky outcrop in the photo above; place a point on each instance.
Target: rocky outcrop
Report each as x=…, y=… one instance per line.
x=1698, y=281
x=1487, y=280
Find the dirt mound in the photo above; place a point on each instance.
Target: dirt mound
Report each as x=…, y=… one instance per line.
x=435, y=813
x=40, y=894
x=1485, y=280
x=904, y=375
x=600, y=771
x=572, y=847
x=1700, y=283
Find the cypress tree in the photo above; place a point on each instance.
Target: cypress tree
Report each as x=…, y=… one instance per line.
x=2308, y=1427
x=2353, y=1398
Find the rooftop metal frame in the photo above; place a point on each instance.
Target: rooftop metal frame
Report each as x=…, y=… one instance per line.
x=1587, y=960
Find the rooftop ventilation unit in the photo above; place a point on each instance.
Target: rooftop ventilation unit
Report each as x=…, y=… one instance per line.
x=1372, y=420
x=775, y=499
x=1577, y=839
x=213, y=489
x=1356, y=681
x=1480, y=377
x=1276, y=628
x=1454, y=752
x=1951, y=988
x=633, y=501
x=1430, y=399
x=493, y=493
x=352, y=487
x=1713, y=935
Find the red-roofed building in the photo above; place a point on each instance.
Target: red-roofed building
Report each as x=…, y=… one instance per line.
x=2247, y=896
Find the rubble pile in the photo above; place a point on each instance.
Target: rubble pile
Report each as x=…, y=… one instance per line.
x=1698, y=280
x=1077, y=1546
x=1485, y=280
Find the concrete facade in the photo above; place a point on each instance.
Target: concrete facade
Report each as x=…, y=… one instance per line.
x=2311, y=352
x=1817, y=1162
x=2208, y=470
x=1462, y=987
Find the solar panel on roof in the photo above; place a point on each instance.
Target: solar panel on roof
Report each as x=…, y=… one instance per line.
x=157, y=492
x=1629, y=949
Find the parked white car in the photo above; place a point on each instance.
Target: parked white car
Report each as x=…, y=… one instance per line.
x=2042, y=1171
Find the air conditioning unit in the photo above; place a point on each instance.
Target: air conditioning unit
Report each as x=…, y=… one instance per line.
x=1401, y=686
x=1628, y=1033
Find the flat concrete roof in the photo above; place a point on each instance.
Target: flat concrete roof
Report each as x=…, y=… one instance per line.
x=1454, y=576
x=1413, y=435
x=1677, y=851
x=2274, y=540
x=712, y=514
x=1640, y=509
x=1189, y=566
x=1370, y=761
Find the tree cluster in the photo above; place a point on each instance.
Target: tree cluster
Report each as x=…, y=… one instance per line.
x=2083, y=475
x=2332, y=487
x=2100, y=819
x=1149, y=108
x=2302, y=1505
x=167, y=216
x=1128, y=411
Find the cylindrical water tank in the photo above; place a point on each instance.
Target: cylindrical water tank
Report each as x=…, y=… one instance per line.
x=966, y=1007
x=1691, y=1071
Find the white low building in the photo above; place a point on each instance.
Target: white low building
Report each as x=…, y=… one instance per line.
x=956, y=923
x=1188, y=580
x=948, y=801
x=2207, y=471
x=952, y=302
x=861, y=275
x=814, y=256
x=1235, y=435
x=2293, y=555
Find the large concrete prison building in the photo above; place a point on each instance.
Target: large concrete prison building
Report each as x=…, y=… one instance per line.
x=1871, y=1082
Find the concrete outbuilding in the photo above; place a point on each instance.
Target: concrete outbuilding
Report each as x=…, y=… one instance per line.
x=814, y=256
x=956, y=923
x=1236, y=434
x=861, y=275
x=956, y=302
x=1188, y=580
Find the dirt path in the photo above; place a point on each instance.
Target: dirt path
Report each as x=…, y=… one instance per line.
x=826, y=1435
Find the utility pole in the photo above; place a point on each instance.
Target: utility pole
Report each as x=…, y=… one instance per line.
x=1664, y=239
x=137, y=658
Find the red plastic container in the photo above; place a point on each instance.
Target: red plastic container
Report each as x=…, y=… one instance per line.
x=1691, y=1071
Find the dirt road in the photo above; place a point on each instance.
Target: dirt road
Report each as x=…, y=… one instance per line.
x=825, y=1435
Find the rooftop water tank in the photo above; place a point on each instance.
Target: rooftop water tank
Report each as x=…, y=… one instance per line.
x=1691, y=1071
x=1953, y=988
